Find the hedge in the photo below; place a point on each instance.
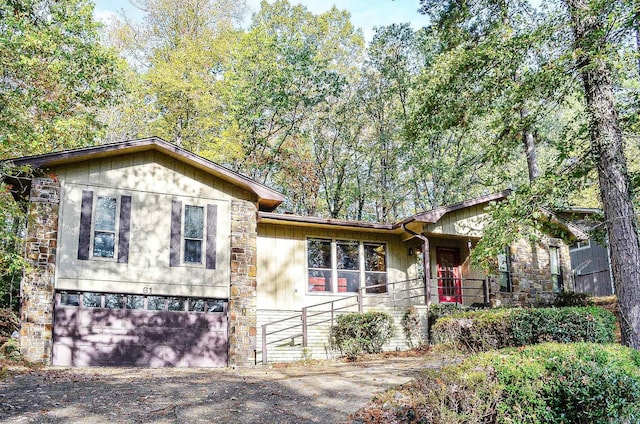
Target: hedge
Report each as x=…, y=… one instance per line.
x=483, y=330
x=545, y=383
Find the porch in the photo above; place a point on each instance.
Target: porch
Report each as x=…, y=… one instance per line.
x=306, y=333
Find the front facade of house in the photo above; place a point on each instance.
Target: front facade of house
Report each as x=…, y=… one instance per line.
x=144, y=254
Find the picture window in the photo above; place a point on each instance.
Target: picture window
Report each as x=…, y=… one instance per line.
x=343, y=266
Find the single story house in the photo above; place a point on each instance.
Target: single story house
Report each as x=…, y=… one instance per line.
x=145, y=254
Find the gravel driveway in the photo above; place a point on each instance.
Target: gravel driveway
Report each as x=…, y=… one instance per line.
x=323, y=393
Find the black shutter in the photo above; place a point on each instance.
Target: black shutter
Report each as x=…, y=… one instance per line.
x=212, y=224
x=176, y=233
x=125, y=229
x=84, y=238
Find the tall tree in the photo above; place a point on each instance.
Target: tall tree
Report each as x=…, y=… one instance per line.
x=177, y=53
x=591, y=32
x=54, y=75
x=284, y=68
x=592, y=28
x=391, y=68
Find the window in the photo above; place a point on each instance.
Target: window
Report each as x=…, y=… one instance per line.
x=104, y=226
x=175, y=304
x=343, y=266
x=193, y=235
x=91, y=300
x=504, y=268
x=580, y=244
x=320, y=265
x=375, y=271
x=70, y=299
x=556, y=269
x=155, y=303
x=135, y=302
x=113, y=301
x=348, y=261
x=105, y=223
x=139, y=302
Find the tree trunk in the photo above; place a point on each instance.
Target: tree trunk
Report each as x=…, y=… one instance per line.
x=529, y=149
x=607, y=144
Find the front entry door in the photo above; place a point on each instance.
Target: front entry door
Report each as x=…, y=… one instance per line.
x=449, y=282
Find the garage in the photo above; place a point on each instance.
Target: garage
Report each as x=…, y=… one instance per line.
x=113, y=329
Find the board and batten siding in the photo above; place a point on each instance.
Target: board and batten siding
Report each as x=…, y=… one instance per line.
x=282, y=263
x=153, y=181
x=467, y=222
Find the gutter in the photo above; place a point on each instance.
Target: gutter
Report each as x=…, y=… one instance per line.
x=425, y=264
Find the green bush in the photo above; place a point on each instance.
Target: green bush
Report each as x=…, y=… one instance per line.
x=546, y=383
x=476, y=331
x=358, y=333
x=573, y=299
x=8, y=324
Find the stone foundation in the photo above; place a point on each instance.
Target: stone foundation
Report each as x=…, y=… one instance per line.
x=37, y=288
x=242, y=299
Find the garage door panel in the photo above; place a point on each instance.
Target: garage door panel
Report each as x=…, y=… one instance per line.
x=110, y=337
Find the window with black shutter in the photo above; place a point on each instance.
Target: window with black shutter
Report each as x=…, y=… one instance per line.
x=105, y=226
x=193, y=235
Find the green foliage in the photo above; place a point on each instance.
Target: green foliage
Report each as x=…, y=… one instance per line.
x=182, y=46
x=476, y=331
x=547, y=383
x=412, y=327
x=358, y=333
x=55, y=76
x=8, y=324
x=12, y=227
x=573, y=299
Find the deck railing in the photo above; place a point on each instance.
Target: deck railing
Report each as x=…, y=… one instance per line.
x=394, y=294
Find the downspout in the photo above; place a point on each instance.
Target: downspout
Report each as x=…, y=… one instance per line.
x=425, y=264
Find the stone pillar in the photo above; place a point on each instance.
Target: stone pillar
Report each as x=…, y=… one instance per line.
x=242, y=301
x=37, y=288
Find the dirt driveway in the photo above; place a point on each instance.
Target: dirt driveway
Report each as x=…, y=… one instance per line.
x=323, y=393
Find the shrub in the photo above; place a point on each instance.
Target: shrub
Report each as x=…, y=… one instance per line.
x=412, y=327
x=573, y=299
x=440, y=310
x=358, y=333
x=476, y=331
x=577, y=324
x=546, y=383
x=8, y=324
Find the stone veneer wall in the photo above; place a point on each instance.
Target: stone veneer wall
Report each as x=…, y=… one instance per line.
x=242, y=300
x=37, y=289
x=531, y=273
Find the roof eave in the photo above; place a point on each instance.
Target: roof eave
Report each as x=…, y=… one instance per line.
x=268, y=199
x=312, y=221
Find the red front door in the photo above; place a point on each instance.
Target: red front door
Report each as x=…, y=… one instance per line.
x=449, y=282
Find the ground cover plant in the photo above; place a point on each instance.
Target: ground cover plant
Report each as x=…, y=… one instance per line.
x=545, y=383
x=482, y=330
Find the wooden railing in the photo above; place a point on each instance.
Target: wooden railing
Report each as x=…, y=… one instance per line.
x=399, y=293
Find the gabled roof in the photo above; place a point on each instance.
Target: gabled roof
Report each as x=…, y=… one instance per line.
x=268, y=199
x=435, y=215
